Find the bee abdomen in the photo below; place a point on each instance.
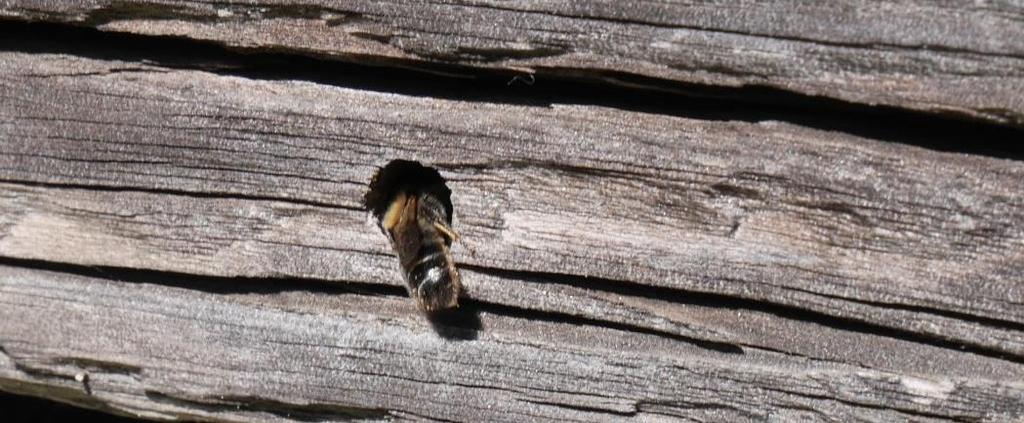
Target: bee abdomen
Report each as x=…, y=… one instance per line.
x=432, y=279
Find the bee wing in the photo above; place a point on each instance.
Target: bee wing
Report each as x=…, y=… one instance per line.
x=405, y=234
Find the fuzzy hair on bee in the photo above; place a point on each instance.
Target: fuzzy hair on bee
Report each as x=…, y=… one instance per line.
x=412, y=206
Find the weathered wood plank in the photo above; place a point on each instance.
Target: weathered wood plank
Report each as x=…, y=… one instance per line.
x=132, y=229
x=954, y=58
x=714, y=238
x=768, y=213
x=174, y=352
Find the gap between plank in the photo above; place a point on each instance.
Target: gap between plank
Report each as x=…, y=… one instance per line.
x=222, y=285
x=550, y=86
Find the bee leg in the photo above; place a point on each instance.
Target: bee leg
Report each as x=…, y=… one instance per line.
x=447, y=231
x=452, y=235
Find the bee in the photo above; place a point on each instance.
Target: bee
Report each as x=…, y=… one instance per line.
x=413, y=208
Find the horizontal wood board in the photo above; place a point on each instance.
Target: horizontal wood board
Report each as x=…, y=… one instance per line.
x=193, y=242
x=949, y=58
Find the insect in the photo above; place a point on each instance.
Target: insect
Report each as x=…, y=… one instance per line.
x=413, y=208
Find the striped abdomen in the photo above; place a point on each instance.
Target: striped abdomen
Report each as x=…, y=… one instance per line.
x=433, y=280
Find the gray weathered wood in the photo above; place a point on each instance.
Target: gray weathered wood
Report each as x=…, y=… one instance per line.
x=769, y=212
x=205, y=356
x=940, y=57
x=633, y=255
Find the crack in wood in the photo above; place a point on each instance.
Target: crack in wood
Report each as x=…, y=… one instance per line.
x=464, y=324
x=460, y=324
x=581, y=408
x=96, y=365
x=219, y=285
x=908, y=411
x=749, y=103
x=626, y=407
x=97, y=73
x=309, y=412
x=781, y=310
x=62, y=394
x=557, y=317
x=192, y=194
x=808, y=383
x=497, y=53
x=709, y=29
x=845, y=58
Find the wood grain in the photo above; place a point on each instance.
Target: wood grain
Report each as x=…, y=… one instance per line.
x=634, y=265
x=203, y=356
x=952, y=58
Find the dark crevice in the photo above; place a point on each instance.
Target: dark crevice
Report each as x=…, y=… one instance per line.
x=573, y=407
x=40, y=372
x=704, y=299
x=312, y=412
x=951, y=314
x=99, y=366
x=183, y=193
x=808, y=357
x=104, y=72
x=942, y=131
x=678, y=409
x=29, y=408
x=557, y=317
x=222, y=285
x=462, y=323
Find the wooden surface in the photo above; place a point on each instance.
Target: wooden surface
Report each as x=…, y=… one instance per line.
x=188, y=241
x=958, y=58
